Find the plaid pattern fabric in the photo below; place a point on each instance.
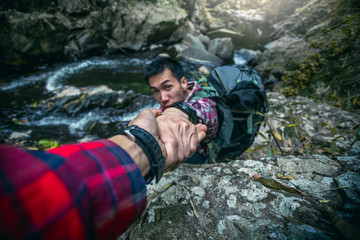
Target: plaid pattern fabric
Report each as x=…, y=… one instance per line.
x=207, y=114
x=89, y=190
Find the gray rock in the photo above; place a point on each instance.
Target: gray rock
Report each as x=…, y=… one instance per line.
x=192, y=41
x=224, y=33
x=223, y=201
x=351, y=182
x=283, y=50
x=20, y=135
x=74, y=7
x=314, y=128
x=200, y=56
x=222, y=47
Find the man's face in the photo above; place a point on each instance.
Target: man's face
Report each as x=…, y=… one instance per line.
x=166, y=89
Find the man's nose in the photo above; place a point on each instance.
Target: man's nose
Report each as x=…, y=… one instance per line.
x=164, y=96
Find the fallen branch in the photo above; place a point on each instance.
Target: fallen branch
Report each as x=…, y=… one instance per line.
x=157, y=193
x=194, y=209
x=332, y=189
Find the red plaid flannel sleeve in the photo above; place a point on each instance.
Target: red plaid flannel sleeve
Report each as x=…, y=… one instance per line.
x=206, y=110
x=81, y=191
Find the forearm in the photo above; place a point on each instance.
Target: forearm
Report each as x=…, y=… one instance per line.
x=135, y=152
x=91, y=188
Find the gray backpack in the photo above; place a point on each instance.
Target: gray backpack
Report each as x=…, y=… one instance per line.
x=239, y=95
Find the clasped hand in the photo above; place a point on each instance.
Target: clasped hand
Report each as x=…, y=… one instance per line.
x=177, y=136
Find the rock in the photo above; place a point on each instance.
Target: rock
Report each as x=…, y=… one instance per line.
x=224, y=201
x=350, y=183
x=19, y=135
x=224, y=33
x=75, y=7
x=84, y=28
x=200, y=56
x=154, y=22
x=67, y=91
x=222, y=47
x=213, y=3
x=244, y=56
x=350, y=162
x=283, y=50
x=88, y=40
x=34, y=34
x=317, y=126
x=192, y=41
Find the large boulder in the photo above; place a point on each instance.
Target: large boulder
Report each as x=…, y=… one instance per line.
x=200, y=56
x=155, y=22
x=280, y=198
x=192, y=41
x=284, y=50
x=222, y=47
x=31, y=35
x=77, y=29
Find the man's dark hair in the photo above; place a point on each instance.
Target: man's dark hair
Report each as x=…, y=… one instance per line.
x=160, y=64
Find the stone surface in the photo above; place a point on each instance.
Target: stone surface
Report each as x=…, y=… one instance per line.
x=223, y=201
x=304, y=126
x=200, y=56
x=222, y=47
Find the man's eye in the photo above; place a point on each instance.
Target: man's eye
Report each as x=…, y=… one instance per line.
x=154, y=91
x=168, y=87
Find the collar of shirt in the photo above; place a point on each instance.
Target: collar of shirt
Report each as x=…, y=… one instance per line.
x=194, y=86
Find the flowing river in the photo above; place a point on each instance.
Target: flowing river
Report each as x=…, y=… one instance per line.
x=19, y=96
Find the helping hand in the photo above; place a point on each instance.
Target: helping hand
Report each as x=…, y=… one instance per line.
x=176, y=135
x=179, y=135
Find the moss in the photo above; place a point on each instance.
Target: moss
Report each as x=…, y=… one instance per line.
x=299, y=78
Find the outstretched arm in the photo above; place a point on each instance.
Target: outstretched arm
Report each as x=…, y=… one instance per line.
x=77, y=191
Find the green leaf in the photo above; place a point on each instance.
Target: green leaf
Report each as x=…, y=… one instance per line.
x=46, y=144
x=333, y=148
x=271, y=183
x=274, y=150
x=332, y=129
x=269, y=153
x=257, y=149
x=263, y=136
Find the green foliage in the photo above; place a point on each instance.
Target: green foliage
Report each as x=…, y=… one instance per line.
x=299, y=78
x=44, y=144
x=340, y=35
x=336, y=67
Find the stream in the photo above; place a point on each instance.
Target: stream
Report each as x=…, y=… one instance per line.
x=21, y=122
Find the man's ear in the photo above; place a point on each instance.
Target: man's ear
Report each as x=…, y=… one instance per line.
x=184, y=83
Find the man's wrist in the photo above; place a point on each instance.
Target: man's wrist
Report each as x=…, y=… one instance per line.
x=189, y=111
x=135, y=151
x=151, y=148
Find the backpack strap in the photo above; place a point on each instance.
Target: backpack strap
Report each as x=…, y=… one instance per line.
x=214, y=148
x=249, y=119
x=207, y=91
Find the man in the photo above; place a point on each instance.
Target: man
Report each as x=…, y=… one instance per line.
x=169, y=86
x=92, y=190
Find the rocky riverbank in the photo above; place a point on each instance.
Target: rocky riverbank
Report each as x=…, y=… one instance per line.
x=308, y=48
